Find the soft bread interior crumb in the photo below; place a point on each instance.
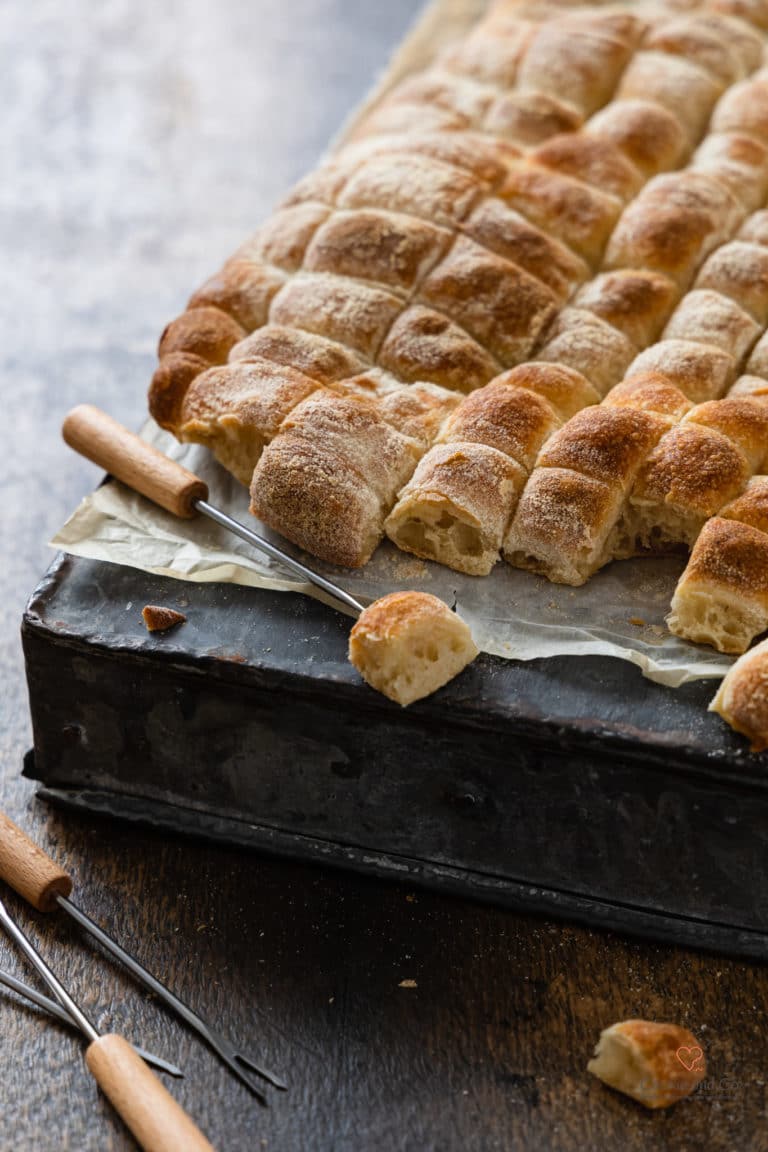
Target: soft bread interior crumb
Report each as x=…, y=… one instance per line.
x=438, y=532
x=409, y=644
x=706, y=619
x=619, y=1066
x=237, y=447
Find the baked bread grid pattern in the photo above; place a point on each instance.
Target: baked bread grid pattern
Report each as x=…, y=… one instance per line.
x=468, y=493
x=645, y=470
x=310, y=268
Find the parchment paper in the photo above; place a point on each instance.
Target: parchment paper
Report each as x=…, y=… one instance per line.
x=620, y=612
x=512, y=614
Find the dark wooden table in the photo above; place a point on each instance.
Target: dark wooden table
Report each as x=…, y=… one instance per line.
x=140, y=142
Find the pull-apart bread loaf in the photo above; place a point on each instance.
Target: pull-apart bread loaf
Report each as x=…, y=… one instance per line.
x=522, y=310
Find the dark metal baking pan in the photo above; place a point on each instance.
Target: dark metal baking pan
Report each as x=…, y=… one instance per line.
x=570, y=786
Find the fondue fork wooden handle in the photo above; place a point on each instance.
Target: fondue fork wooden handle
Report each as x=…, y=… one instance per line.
x=125, y=456
x=28, y=870
x=153, y=1116
x=156, y=1120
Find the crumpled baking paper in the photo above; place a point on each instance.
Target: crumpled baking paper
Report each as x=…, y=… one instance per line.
x=512, y=614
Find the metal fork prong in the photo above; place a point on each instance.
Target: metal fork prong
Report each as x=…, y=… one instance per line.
x=55, y=1010
x=233, y=1066
x=222, y=1047
x=265, y=1073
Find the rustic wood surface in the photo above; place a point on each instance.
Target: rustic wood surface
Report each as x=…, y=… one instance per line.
x=140, y=142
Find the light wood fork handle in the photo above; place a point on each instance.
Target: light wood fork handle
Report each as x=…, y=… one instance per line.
x=153, y=1116
x=126, y=457
x=28, y=870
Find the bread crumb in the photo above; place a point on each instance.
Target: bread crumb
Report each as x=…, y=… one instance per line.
x=159, y=619
x=637, y=621
x=407, y=984
x=656, y=1064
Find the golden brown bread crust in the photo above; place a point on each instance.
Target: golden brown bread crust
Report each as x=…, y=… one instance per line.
x=580, y=216
x=438, y=89
x=283, y=238
x=656, y=1064
x=500, y=306
x=566, y=390
x=394, y=250
x=753, y=11
x=593, y=160
x=512, y=420
x=189, y=344
x=692, y=471
x=650, y=392
x=557, y=529
x=323, y=360
x=440, y=257
x=485, y=158
x=742, y=419
x=755, y=228
x=602, y=443
x=503, y=230
x=580, y=340
x=706, y=45
x=687, y=90
x=636, y=303
x=672, y=225
x=577, y=59
x=530, y=118
x=419, y=411
x=320, y=504
x=755, y=386
x=744, y=109
x=207, y=333
x=159, y=619
x=412, y=184
x=353, y=314
x=751, y=507
x=738, y=162
x=649, y=135
x=235, y=409
x=458, y=503
x=712, y=318
x=494, y=59
x=742, y=698
x=739, y=270
x=169, y=385
x=243, y=289
x=700, y=371
x=327, y=479
x=423, y=344
x=351, y=428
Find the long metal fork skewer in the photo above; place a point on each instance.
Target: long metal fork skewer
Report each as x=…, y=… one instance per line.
x=54, y=1009
x=75, y=1015
x=278, y=554
x=235, y=1060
